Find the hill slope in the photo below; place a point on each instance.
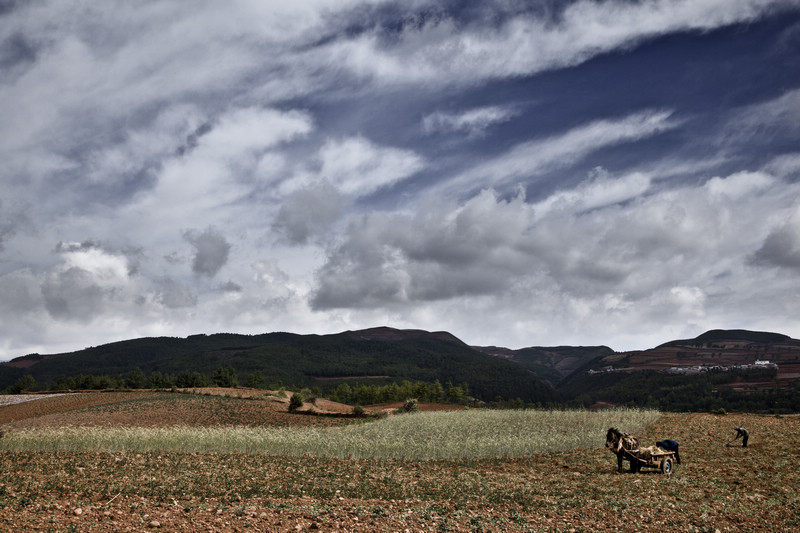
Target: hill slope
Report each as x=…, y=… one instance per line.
x=714, y=370
x=298, y=360
x=552, y=364
x=730, y=369
x=715, y=348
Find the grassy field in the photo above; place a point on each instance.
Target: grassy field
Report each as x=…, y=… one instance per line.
x=504, y=471
x=411, y=437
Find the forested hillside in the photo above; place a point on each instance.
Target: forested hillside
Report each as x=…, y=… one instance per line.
x=284, y=359
x=720, y=369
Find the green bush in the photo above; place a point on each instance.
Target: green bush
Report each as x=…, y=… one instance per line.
x=296, y=402
x=225, y=377
x=410, y=406
x=358, y=410
x=24, y=384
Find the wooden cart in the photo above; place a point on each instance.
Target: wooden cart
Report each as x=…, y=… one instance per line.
x=662, y=460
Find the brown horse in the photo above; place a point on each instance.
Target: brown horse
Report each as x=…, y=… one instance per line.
x=623, y=445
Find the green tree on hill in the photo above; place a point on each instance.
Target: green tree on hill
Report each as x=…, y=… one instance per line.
x=24, y=384
x=295, y=402
x=225, y=377
x=255, y=380
x=136, y=379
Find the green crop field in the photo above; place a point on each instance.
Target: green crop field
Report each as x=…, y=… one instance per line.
x=413, y=437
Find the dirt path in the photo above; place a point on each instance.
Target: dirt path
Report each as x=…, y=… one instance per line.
x=13, y=399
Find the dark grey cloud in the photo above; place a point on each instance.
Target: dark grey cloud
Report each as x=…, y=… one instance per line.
x=230, y=286
x=781, y=248
x=175, y=295
x=618, y=250
x=174, y=258
x=134, y=255
x=443, y=252
x=7, y=6
x=210, y=251
x=72, y=295
x=20, y=293
x=309, y=212
x=194, y=139
x=7, y=229
x=16, y=51
x=13, y=219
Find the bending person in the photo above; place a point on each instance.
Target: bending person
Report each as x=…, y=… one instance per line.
x=671, y=446
x=743, y=433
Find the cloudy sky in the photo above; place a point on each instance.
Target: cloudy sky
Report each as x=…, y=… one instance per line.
x=519, y=173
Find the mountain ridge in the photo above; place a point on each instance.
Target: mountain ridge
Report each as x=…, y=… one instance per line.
x=297, y=360
x=750, y=363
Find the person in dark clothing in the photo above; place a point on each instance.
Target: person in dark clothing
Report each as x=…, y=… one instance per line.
x=743, y=433
x=671, y=446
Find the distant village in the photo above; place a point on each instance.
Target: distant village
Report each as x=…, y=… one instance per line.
x=697, y=369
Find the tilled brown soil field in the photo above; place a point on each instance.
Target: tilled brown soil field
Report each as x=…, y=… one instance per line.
x=717, y=488
x=200, y=407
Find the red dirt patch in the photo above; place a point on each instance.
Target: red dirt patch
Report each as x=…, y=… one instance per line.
x=328, y=406
x=200, y=407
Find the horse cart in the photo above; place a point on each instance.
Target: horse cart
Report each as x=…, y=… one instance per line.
x=661, y=459
x=626, y=448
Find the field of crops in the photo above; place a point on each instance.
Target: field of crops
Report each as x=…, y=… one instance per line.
x=441, y=471
x=413, y=437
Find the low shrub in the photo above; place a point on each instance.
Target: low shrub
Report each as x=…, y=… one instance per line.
x=410, y=406
x=295, y=402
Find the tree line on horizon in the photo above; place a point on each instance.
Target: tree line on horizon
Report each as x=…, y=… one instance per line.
x=227, y=377
x=708, y=392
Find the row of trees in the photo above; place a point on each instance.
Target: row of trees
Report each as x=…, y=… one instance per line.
x=359, y=394
x=705, y=392
x=363, y=394
x=136, y=379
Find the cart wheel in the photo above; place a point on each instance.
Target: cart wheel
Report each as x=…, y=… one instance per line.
x=666, y=466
